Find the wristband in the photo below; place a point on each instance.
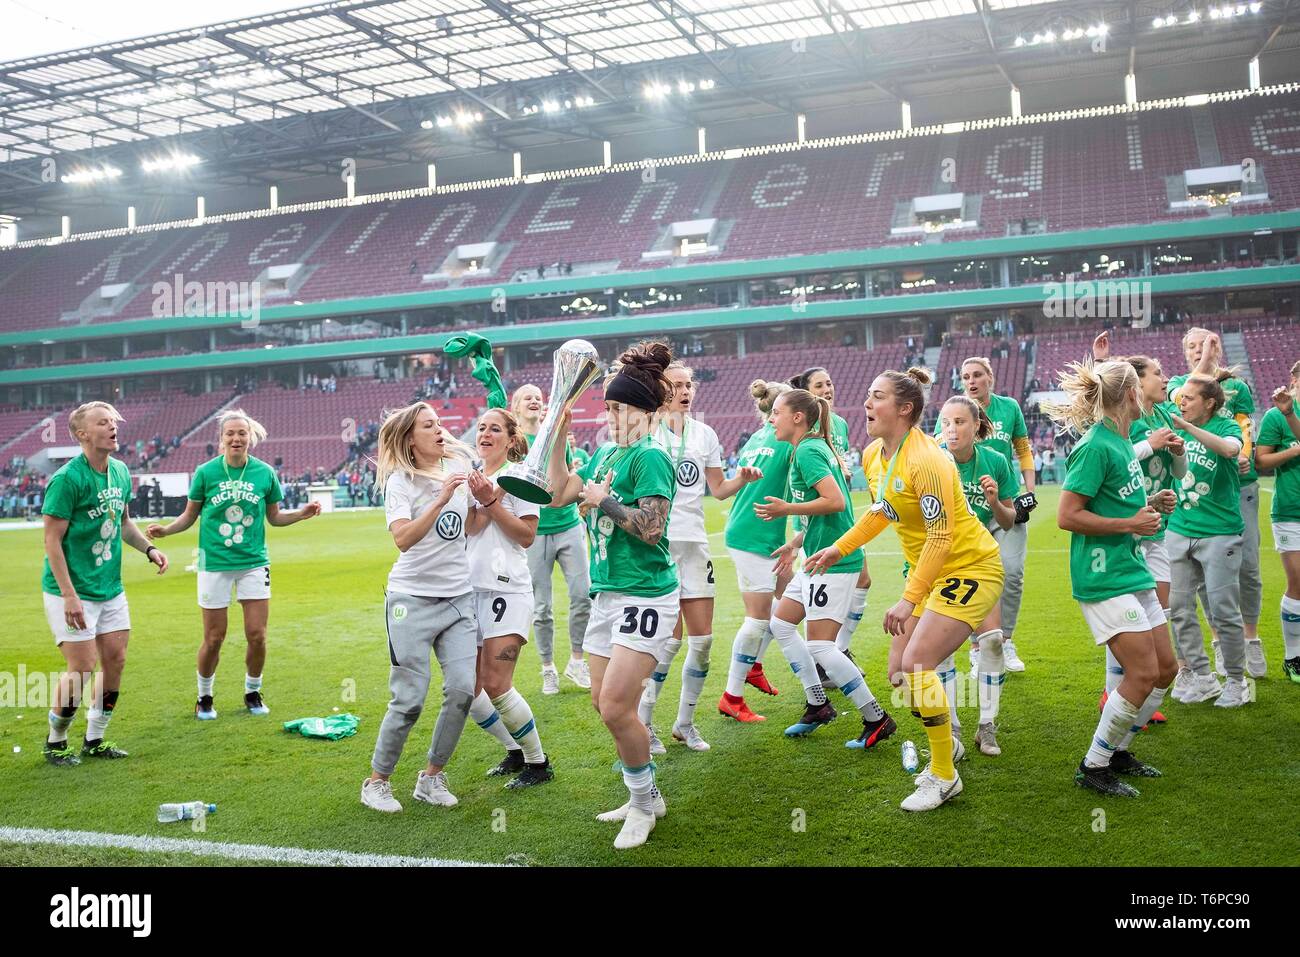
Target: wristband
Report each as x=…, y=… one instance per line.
x=151, y=548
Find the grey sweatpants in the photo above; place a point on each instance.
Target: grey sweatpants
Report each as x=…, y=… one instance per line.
x=1215, y=564
x=1252, y=586
x=569, y=548
x=1013, y=545
x=417, y=627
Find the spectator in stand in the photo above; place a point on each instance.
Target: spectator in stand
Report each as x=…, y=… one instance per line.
x=1038, y=467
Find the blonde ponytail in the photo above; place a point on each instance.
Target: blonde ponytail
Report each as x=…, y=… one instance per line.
x=1096, y=391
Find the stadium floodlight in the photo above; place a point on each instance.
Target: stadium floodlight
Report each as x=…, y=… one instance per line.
x=1256, y=7
x=685, y=87
x=1193, y=16
x=426, y=124
x=706, y=84
x=176, y=161
x=92, y=174
x=1021, y=41
x=550, y=106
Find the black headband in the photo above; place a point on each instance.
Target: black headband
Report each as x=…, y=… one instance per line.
x=623, y=388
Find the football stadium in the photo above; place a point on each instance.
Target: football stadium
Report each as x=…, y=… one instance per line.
x=567, y=360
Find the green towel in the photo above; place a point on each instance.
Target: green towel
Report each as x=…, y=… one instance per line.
x=334, y=727
x=479, y=350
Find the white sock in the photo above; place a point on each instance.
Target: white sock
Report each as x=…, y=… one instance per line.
x=856, y=604
x=96, y=723
x=1291, y=626
x=1116, y=720
x=205, y=684
x=641, y=786
x=1114, y=671
x=992, y=673
x=59, y=726
x=518, y=719
x=796, y=653
x=252, y=684
x=846, y=676
x=763, y=643
x=744, y=653
x=487, y=718
x=694, y=670
x=646, y=709
x=1149, y=707
x=947, y=672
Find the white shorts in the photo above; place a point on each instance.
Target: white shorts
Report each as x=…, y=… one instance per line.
x=1286, y=536
x=248, y=584
x=823, y=596
x=642, y=624
x=753, y=572
x=503, y=613
x=102, y=618
x=1157, y=557
x=1114, y=616
x=694, y=568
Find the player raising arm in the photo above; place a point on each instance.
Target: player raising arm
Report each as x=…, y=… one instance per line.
x=1105, y=508
x=86, y=522
x=626, y=499
x=955, y=578
x=233, y=496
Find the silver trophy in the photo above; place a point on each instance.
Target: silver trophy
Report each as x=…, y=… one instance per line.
x=576, y=366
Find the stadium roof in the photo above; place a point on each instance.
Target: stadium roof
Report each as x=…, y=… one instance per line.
x=394, y=81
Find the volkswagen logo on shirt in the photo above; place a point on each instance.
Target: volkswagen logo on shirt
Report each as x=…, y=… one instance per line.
x=448, y=526
x=688, y=473
x=888, y=510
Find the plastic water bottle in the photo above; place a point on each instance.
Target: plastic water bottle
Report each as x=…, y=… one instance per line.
x=184, y=812
x=910, y=760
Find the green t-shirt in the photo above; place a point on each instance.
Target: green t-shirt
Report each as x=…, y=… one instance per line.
x=840, y=437
x=1157, y=468
x=581, y=457
x=1240, y=402
x=747, y=532
x=1274, y=431
x=1210, y=503
x=553, y=520
x=1008, y=425
x=1104, y=469
x=986, y=461
x=94, y=504
x=619, y=561
x=232, y=521
x=813, y=460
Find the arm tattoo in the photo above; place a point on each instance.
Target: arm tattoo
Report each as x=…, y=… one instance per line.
x=645, y=523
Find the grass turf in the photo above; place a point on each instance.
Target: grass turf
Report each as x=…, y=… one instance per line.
x=756, y=799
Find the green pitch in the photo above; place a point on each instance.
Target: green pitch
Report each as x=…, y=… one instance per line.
x=755, y=799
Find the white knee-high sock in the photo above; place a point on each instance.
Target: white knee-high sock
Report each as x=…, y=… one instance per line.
x=1291, y=626
x=646, y=709
x=518, y=718
x=763, y=643
x=1149, y=707
x=796, y=653
x=1116, y=720
x=1114, y=671
x=947, y=672
x=695, y=669
x=992, y=673
x=846, y=676
x=485, y=715
x=641, y=786
x=856, y=604
x=744, y=652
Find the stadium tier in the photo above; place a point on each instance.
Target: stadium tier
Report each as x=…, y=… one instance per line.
x=1036, y=177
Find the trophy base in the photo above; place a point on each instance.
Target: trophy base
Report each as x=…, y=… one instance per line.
x=526, y=483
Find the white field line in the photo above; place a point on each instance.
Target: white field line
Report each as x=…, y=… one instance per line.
x=17, y=526
x=238, y=852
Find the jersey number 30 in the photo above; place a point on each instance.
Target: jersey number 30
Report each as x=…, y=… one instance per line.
x=950, y=586
x=646, y=621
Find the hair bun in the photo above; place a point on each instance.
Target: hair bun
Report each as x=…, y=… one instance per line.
x=920, y=374
x=653, y=356
x=758, y=388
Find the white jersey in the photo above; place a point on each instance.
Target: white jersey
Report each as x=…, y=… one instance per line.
x=437, y=566
x=495, y=562
x=692, y=452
